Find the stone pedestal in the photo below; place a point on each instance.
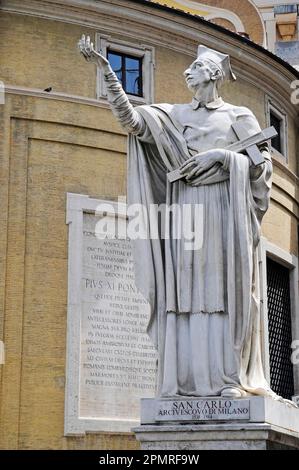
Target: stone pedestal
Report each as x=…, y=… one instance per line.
x=217, y=424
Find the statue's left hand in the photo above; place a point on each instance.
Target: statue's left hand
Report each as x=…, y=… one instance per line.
x=201, y=162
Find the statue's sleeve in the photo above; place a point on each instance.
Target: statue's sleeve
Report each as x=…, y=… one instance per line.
x=260, y=184
x=131, y=121
x=260, y=176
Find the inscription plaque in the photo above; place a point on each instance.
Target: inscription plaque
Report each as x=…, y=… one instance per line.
x=193, y=410
x=117, y=360
x=111, y=362
x=202, y=410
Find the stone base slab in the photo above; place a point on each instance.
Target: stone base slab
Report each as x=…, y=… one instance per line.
x=217, y=423
x=215, y=437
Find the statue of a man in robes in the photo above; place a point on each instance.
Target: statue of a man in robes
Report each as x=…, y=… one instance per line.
x=205, y=319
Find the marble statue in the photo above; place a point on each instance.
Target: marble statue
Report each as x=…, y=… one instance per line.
x=205, y=319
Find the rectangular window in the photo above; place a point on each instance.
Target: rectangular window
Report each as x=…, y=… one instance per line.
x=277, y=118
x=280, y=329
x=134, y=65
x=276, y=122
x=128, y=70
x=284, y=9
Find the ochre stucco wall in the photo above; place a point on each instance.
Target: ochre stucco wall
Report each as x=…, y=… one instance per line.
x=244, y=9
x=50, y=147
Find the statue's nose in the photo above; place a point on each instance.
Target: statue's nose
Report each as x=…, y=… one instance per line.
x=187, y=72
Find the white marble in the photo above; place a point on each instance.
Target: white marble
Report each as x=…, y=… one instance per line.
x=245, y=436
x=205, y=308
x=111, y=363
x=193, y=410
x=252, y=409
x=295, y=399
x=272, y=424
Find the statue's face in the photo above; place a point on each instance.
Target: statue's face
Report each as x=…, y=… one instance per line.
x=198, y=74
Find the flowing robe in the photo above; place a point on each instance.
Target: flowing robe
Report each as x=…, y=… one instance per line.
x=205, y=316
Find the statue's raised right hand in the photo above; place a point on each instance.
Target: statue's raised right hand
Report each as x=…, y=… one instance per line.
x=89, y=53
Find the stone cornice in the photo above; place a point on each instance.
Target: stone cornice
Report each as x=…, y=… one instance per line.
x=252, y=64
x=34, y=92
x=54, y=95
x=278, y=164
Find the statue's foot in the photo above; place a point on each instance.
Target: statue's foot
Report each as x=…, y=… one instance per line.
x=231, y=392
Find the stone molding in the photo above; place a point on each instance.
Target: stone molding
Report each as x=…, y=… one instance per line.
x=160, y=28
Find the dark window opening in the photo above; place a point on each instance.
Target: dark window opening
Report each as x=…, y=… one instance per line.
x=280, y=329
x=283, y=9
x=276, y=122
x=128, y=70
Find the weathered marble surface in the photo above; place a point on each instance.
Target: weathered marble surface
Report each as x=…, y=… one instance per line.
x=111, y=362
x=249, y=436
x=117, y=360
x=271, y=424
x=205, y=316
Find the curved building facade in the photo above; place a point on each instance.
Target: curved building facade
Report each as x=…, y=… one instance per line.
x=59, y=136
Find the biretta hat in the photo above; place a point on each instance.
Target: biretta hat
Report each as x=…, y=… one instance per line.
x=221, y=60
